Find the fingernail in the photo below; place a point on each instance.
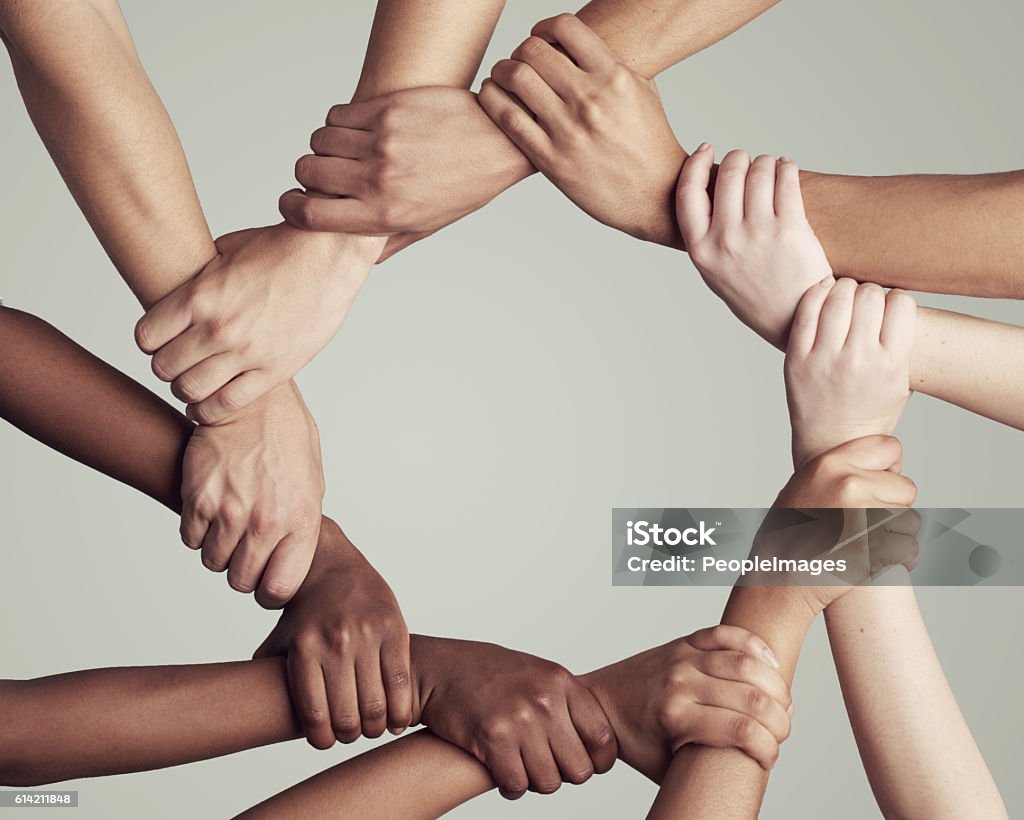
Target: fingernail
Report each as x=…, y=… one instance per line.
x=399, y=730
x=770, y=657
x=703, y=147
x=827, y=282
x=790, y=711
x=785, y=159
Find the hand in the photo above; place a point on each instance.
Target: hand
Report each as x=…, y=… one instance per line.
x=863, y=473
x=755, y=249
x=406, y=163
x=867, y=542
x=847, y=365
x=347, y=647
x=592, y=126
x=251, y=496
x=254, y=316
x=526, y=719
x=717, y=687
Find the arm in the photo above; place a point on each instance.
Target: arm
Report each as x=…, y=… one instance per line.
x=918, y=751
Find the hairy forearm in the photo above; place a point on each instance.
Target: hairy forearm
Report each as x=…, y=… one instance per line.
x=970, y=362
x=650, y=36
x=418, y=777
x=726, y=783
x=938, y=233
x=63, y=396
x=110, y=137
x=415, y=44
x=916, y=747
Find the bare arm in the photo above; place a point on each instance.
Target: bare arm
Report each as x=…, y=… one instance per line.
x=110, y=137
x=650, y=36
x=917, y=750
x=970, y=362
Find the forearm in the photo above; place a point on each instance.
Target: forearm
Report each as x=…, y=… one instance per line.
x=938, y=233
x=417, y=776
x=917, y=749
x=113, y=721
x=726, y=783
x=63, y=396
x=415, y=44
x=650, y=36
x=970, y=362
x=110, y=137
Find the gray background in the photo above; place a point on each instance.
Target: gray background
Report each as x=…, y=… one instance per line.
x=496, y=391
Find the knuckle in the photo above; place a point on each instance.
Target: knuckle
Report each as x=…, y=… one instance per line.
x=757, y=701
x=313, y=715
x=187, y=388
x=279, y=590
x=318, y=142
x=265, y=519
x=580, y=776
x=547, y=786
x=742, y=663
x=741, y=729
x=241, y=583
x=398, y=679
x=144, y=335
x=531, y=47
x=340, y=638
x=220, y=328
x=305, y=167
x=513, y=119
x=495, y=731
x=374, y=710
x=346, y=727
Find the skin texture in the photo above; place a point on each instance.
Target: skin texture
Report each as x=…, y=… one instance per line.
x=122, y=161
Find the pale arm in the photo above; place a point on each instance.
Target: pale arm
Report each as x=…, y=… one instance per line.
x=917, y=750
x=725, y=783
x=970, y=362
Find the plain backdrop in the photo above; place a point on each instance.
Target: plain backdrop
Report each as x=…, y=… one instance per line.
x=499, y=388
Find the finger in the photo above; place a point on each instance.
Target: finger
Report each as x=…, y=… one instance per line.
x=183, y=352
x=742, y=667
x=551, y=65
x=248, y=562
x=222, y=538
x=571, y=756
x=804, y=331
x=204, y=379
x=789, y=202
x=517, y=125
x=592, y=727
x=343, y=699
x=894, y=550
x=361, y=115
x=373, y=704
x=582, y=45
x=540, y=765
x=693, y=204
x=744, y=699
x=344, y=143
x=236, y=395
x=874, y=453
x=395, y=667
x=759, y=197
x=905, y=522
x=734, y=638
x=526, y=84
x=723, y=728
x=309, y=696
x=508, y=771
x=730, y=185
x=286, y=569
x=868, y=311
x=331, y=175
x=196, y=515
x=333, y=215
x=167, y=319
x=892, y=490
x=836, y=316
x=899, y=323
